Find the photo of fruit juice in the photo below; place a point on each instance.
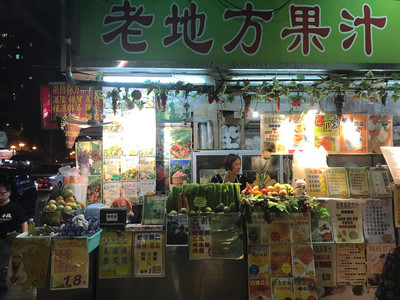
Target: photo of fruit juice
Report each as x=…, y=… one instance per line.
x=298, y=134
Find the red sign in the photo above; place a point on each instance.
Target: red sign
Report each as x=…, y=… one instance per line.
x=45, y=108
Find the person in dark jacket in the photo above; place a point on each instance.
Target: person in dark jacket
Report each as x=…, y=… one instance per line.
x=232, y=165
x=389, y=288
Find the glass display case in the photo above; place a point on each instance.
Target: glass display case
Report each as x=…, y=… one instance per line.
x=208, y=163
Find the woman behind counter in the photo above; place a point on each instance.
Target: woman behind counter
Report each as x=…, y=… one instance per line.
x=232, y=167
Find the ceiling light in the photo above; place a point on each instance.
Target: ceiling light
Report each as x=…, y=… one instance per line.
x=161, y=79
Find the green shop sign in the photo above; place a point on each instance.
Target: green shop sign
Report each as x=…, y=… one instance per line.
x=239, y=31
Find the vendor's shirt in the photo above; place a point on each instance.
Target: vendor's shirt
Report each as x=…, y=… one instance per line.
x=11, y=217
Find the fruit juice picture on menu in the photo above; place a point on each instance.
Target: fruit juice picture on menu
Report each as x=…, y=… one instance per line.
x=111, y=190
x=282, y=288
x=147, y=167
x=377, y=220
x=258, y=261
x=257, y=230
x=358, y=182
x=347, y=219
x=327, y=133
x=281, y=260
x=279, y=229
x=148, y=254
x=296, y=133
x=303, y=260
x=130, y=191
x=69, y=264
x=260, y=288
x=112, y=144
x=305, y=288
x=226, y=236
x=115, y=254
x=271, y=134
x=321, y=228
x=129, y=167
x=376, y=257
x=111, y=168
x=353, y=134
x=337, y=182
x=316, y=182
x=325, y=264
x=380, y=133
x=300, y=225
x=200, y=237
x=351, y=268
x=379, y=182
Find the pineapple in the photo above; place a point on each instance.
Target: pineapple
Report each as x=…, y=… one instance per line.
x=263, y=180
x=58, y=190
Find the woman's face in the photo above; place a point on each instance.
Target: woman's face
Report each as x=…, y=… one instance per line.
x=236, y=166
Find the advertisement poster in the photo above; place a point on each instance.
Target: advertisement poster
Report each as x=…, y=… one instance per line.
x=45, y=112
x=111, y=168
x=112, y=144
x=29, y=261
x=260, y=288
x=380, y=132
x=130, y=191
x=303, y=260
x=112, y=190
x=376, y=257
x=379, y=182
x=282, y=288
x=257, y=230
x=316, y=182
x=336, y=179
x=305, y=288
x=347, y=219
x=180, y=143
x=392, y=158
x=154, y=209
x=321, y=228
x=94, y=190
x=279, y=229
x=353, y=134
x=147, y=167
x=115, y=254
x=358, y=182
x=226, y=233
x=300, y=228
x=325, y=264
x=147, y=187
x=200, y=246
x=327, y=133
x=281, y=260
x=148, y=254
x=271, y=130
x=396, y=205
x=351, y=267
x=129, y=167
x=90, y=154
x=258, y=261
x=69, y=264
x=177, y=229
x=296, y=133
x=378, y=221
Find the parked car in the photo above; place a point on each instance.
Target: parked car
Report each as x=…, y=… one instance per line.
x=23, y=189
x=25, y=160
x=46, y=176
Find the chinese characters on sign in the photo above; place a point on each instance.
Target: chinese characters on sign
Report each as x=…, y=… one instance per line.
x=200, y=237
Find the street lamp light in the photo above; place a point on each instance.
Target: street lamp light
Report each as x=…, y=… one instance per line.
x=21, y=145
x=34, y=148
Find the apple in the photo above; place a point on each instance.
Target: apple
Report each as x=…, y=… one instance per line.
x=61, y=202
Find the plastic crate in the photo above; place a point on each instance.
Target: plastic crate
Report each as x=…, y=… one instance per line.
x=94, y=240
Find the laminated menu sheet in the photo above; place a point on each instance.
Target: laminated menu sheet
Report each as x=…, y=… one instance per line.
x=322, y=228
x=347, y=221
x=376, y=257
x=257, y=230
x=316, y=182
x=200, y=246
x=300, y=228
x=351, y=267
x=327, y=133
x=379, y=182
x=358, y=182
x=325, y=264
x=258, y=261
x=337, y=182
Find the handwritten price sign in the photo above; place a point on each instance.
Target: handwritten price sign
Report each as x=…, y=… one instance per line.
x=69, y=264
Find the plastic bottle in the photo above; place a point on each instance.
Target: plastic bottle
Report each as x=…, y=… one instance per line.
x=31, y=227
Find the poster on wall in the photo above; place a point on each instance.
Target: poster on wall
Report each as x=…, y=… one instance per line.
x=327, y=133
x=358, y=182
x=147, y=167
x=130, y=191
x=316, y=182
x=111, y=168
x=154, y=209
x=115, y=254
x=295, y=133
x=200, y=242
x=69, y=264
x=258, y=261
x=353, y=134
x=257, y=230
x=281, y=260
x=351, y=268
x=305, y=288
x=376, y=257
x=379, y=182
x=129, y=167
x=147, y=187
x=279, y=229
x=325, y=264
x=322, y=228
x=377, y=221
x=112, y=144
x=392, y=158
x=29, y=261
x=180, y=143
x=337, y=182
x=112, y=190
x=303, y=260
x=260, y=288
x=89, y=155
x=270, y=134
x=347, y=220
x=380, y=132
x=177, y=229
x=300, y=228
x=94, y=190
x=282, y=288
x=148, y=254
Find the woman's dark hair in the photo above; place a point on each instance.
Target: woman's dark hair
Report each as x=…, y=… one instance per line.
x=228, y=161
x=5, y=185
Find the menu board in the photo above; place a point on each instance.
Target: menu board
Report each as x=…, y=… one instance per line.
x=337, y=182
x=327, y=133
x=316, y=182
x=148, y=254
x=325, y=264
x=392, y=157
x=281, y=260
x=303, y=260
x=271, y=130
x=351, y=269
x=348, y=221
x=115, y=254
x=257, y=230
x=258, y=261
x=200, y=237
x=300, y=228
x=282, y=288
x=379, y=182
x=376, y=257
x=358, y=182
x=377, y=220
x=353, y=134
x=380, y=132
